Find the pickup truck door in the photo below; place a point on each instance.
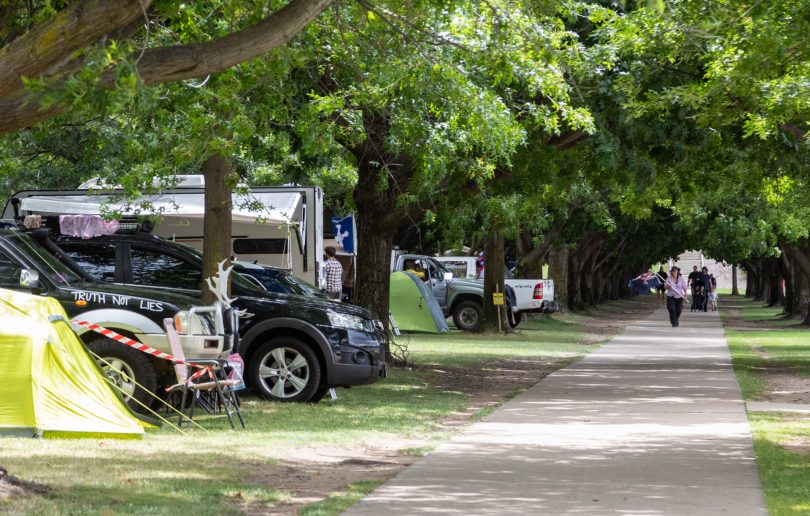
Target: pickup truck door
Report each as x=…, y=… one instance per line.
x=436, y=281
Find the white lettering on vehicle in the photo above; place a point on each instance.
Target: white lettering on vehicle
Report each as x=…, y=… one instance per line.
x=90, y=297
x=101, y=298
x=151, y=306
x=120, y=300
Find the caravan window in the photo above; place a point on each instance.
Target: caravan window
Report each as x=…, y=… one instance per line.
x=161, y=270
x=260, y=246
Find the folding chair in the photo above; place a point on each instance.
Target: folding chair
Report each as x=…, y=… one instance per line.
x=211, y=390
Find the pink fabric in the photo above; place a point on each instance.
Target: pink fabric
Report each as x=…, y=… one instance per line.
x=237, y=370
x=86, y=226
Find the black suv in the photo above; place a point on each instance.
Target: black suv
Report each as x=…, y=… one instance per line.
x=295, y=348
x=29, y=266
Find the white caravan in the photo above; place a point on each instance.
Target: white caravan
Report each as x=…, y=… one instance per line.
x=280, y=226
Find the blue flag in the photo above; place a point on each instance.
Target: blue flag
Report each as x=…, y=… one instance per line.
x=646, y=282
x=345, y=233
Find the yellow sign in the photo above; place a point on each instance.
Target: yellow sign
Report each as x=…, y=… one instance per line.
x=497, y=299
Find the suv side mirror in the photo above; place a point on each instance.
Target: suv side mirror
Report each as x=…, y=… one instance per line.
x=448, y=276
x=29, y=279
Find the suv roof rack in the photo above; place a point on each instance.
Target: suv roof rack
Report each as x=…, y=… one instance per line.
x=126, y=224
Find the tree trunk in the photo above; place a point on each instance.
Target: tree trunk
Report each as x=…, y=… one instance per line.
x=373, y=265
x=532, y=262
x=493, y=280
x=763, y=285
x=217, y=220
x=558, y=272
x=775, y=288
x=575, y=303
x=524, y=269
x=785, y=269
x=752, y=283
x=801, y=261
x=734, y=290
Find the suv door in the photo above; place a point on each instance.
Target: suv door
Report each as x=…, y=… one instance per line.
x=100, y=259
x=160, y=268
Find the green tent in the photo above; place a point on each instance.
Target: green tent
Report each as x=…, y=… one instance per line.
x=49, y=385
x=413, y=306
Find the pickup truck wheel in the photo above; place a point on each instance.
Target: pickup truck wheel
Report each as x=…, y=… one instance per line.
x=468, y=315
x=129, y=370
x=514, y=318
x=285, y=369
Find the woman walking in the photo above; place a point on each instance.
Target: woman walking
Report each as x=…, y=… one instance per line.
x=676, y=293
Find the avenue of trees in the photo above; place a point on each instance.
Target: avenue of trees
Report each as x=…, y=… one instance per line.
x=597, y=137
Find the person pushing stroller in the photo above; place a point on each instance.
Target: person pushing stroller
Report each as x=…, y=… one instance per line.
x=698, y=298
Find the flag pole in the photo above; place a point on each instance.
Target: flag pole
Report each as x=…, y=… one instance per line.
x=683, y=294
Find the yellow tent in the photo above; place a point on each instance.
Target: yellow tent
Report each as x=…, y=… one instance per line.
x=49, y=385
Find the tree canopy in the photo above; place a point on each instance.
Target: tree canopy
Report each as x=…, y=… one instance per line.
x=598, y=137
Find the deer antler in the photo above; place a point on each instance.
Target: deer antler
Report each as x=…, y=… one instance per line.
x=219, y=284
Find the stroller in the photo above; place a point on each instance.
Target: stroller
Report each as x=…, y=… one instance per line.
x=698, y=299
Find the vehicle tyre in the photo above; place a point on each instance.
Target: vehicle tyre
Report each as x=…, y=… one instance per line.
x=129, y=369
x=285, y=369
x=514, y=318
x=468, y=315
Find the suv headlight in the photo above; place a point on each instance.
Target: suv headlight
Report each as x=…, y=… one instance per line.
x=193, y=324
x=352, y=322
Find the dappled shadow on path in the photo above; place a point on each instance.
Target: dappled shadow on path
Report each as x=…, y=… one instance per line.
x=652, y=423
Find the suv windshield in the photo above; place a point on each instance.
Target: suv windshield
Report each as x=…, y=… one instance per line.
x=305, y=288
x=279, y=281
x=57, y=271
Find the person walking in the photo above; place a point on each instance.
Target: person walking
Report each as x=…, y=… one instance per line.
x=676, y=293
x=706, y=280
x=334, y=274
x=693, y=278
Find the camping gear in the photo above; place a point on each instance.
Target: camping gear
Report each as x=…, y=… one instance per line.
x=212, y=391
x=413, y=306
x=50, y=386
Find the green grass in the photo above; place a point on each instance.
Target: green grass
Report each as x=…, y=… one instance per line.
x=339, y=502
x=785, y=474
x=225, y=472
x=560, y=338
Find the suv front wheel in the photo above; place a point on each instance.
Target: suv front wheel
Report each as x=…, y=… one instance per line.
x=285, y=369
x=129, y=370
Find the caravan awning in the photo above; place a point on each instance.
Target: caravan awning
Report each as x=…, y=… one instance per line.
x=275, y=207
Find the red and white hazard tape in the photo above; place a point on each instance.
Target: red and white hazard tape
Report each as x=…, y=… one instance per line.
x=143, y=347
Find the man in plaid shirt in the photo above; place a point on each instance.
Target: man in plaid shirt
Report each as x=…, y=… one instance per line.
x=334, y=273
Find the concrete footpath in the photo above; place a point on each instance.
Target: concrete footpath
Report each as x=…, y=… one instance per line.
x=652, y=423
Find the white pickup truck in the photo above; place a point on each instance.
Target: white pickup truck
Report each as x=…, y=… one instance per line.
x=533, y=295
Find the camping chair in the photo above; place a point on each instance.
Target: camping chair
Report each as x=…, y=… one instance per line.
x=212, y=390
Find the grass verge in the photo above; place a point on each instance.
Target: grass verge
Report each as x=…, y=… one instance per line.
x=765, y=350
x=339, y=502
x=225, y=472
